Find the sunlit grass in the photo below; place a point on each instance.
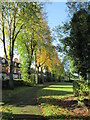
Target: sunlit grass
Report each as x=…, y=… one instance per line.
x=58, y=89
x=29, y=109
x=50, y=96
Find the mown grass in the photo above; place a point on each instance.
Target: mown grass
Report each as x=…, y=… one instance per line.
x=7, y=94
x=20, y=101
x=49, y=98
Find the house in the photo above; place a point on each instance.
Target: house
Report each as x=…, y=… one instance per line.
x=16, y=69
x=3, y=68
x=4, y=71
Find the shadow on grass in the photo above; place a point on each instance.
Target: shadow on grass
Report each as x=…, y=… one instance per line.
x=8, y=116
x=24, y=98
x=47, y=92
x=30, y=99
x=28, y=96
x=39, y=117
x=70, y=104
x=63, y=117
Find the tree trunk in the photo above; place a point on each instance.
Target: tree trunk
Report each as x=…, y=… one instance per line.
x=36, y=76
x=3, y=31
x=30, y=56
x=29, y=70
x=69, y=76
x=42, y=75
x=36, y=69
x=11, y=84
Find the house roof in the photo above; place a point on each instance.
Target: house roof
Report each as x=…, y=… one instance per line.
x=16, y=60
x=3, y=60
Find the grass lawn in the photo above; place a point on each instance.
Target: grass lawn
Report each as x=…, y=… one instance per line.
x=7, y=94
x=50, y=98
x=21, y=101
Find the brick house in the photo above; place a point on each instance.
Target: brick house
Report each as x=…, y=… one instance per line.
x=4, y=72
x=16, y=69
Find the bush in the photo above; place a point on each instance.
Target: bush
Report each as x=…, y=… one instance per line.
x=6, y=114
x=31, y=81
x=80, y=88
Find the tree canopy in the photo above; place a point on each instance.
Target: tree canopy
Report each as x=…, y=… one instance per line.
x=74, y=36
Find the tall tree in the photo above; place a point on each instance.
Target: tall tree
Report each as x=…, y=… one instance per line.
x=11, y=23
x=78, y=41
x=32, y=37
x=74, y=40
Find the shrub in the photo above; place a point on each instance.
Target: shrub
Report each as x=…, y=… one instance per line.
x=80, y=88
x=6, y=114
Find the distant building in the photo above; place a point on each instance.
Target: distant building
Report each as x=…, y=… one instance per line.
x=4, y=71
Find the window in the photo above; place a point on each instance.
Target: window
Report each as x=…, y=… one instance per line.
x=15, y=64
x=3, y=60
x=14, y=70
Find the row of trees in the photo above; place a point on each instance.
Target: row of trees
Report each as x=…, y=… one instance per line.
x=24, y=30
x=36, y=50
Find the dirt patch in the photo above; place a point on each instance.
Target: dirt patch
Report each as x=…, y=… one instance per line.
x=75, y=106
x=68, y=102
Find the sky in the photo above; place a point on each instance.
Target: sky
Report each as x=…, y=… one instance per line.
x=56, y=12
x=55, y=15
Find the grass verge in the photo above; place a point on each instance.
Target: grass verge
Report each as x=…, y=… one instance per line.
x=51, y=100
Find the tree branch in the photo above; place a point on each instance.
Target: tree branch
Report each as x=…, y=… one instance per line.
x=1, y=39
x=3, y=33
x=14, y=16
x=17, y=33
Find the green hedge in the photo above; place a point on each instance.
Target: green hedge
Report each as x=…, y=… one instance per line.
x=80, y=88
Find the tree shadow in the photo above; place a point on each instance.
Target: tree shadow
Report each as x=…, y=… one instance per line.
x=8, y=116
x=69, y=117
x=40, y=117
x=47, y=92
x=23, y=99
x=70, y=104
x=30, y=97
x=30, y=100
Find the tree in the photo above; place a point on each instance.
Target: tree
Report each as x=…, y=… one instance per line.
x=10, y=31
x=73, y=37
x=42, y=52
x=11, y=25
x=78, y=41
x=32, y=38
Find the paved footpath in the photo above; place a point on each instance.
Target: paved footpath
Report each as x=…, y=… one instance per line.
x=26, y=104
